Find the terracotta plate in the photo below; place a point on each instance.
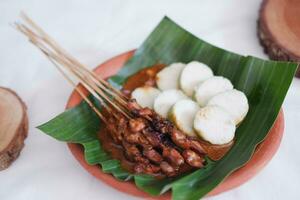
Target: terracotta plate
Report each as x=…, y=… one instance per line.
x=263, y=154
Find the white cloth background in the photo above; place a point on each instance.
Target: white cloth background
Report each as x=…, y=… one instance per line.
x=94, y=31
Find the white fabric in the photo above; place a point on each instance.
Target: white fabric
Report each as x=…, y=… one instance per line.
x=94, y=31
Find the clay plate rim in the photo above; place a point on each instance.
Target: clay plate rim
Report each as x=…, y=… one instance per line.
x=263, y=154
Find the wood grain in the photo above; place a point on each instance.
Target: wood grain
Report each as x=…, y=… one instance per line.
x=278, y=29
x=13, y=126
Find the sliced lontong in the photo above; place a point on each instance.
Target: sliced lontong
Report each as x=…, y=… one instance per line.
x=150, y=141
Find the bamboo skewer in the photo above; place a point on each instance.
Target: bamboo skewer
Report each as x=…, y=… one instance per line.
x=99, y=88
x=53, y=57
x=80, y=92
x=42, y=48
x=54, y=45
x=77, y=65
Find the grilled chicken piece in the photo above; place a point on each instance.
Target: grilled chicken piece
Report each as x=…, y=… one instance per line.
x=173, y=156
x=133, y=153
x=137, y=125
x=153, y=155
x=167, y=169
x=192, y=158
x=153, y=143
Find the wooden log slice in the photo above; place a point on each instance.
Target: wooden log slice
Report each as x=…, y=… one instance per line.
x=13, y=126
x=279, y=29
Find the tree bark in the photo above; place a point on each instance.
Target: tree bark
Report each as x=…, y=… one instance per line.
x=278, y=29
x=13, y=126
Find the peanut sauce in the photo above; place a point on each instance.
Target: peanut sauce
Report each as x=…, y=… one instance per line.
x=147, y=77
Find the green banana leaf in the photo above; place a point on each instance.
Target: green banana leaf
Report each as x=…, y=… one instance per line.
x=264, y=82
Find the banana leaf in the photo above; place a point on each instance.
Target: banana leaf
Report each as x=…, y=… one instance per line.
x=264, y=82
